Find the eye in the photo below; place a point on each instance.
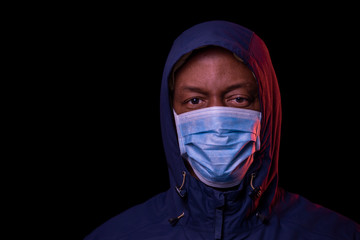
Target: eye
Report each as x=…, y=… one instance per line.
x=193, y=101
x=239, y=101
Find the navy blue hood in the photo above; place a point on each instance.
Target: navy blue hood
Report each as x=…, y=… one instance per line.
x=257, y=208
x=251, y=49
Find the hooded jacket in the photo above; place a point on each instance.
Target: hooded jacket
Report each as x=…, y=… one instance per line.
x=258, y=208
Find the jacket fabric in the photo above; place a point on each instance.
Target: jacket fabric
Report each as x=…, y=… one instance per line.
x=257, y=208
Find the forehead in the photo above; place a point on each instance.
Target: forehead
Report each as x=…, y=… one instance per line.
x=212, y=65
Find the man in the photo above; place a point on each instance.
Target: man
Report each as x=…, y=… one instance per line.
x=220, y=119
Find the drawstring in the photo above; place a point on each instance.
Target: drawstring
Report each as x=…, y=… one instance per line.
x=173, y=221
x=254, y=194
x=256, y=191
x=182, y=194
x=180, y=189
x=251, y=181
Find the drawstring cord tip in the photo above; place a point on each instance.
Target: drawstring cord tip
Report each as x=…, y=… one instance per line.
x=263, y=218
x=182, y=193
x=180, y=190
x=174, y=221
x=256, y=191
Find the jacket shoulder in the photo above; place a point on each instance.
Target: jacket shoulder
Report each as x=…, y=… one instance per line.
x=307, y=218
x=134, y=221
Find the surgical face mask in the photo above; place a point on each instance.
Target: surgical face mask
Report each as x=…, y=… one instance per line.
x=219, y=143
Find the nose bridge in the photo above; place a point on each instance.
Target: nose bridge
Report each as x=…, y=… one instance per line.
x=216, y=101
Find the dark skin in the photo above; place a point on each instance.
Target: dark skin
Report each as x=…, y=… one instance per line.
x=214, y=77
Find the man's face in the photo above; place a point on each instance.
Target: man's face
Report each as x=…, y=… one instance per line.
x=214, y=77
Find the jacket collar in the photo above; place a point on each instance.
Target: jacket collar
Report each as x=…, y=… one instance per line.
x=197, y=206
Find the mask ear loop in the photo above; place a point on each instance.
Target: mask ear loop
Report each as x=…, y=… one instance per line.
x=256, y=79
x=238, y=58
x=176, y=67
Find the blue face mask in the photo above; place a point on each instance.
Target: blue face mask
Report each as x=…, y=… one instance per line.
x=219, y=143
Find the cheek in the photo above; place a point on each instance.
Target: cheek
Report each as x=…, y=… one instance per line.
x=175, y=101
x=176, y=105
x=257, y=105
x=177, y=108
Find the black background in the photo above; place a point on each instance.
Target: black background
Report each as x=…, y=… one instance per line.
x=98, y=149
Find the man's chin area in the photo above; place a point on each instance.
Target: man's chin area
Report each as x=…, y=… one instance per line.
x=228, y=189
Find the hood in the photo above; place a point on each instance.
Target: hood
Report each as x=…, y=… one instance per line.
x=252, y=50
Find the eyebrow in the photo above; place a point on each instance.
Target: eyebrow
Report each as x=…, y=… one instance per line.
x=193, y=89
x=228, y=89
x=236, y=86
